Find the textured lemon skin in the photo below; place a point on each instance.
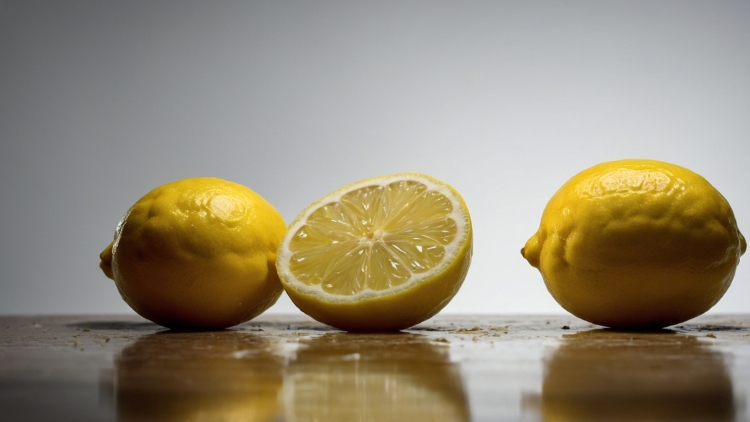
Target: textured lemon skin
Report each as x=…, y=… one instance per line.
x=390, y=311
x=197, y=253
x=637, y=244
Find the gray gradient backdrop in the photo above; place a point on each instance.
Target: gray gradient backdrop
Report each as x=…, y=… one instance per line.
x=102, y=101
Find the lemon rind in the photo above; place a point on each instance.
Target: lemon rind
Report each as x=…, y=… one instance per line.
x=459, y=214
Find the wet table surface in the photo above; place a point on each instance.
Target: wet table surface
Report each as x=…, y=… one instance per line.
x=451, y=368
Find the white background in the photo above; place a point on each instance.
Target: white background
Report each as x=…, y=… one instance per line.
x=102, y=101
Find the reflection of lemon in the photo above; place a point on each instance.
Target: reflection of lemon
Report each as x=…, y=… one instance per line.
x=603, y=375
x=636, y=243
x=367, y=377
x=197, y=253
x=381, y=254
x=219, y=376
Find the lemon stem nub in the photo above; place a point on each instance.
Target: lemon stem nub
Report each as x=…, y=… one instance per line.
x=105, y=262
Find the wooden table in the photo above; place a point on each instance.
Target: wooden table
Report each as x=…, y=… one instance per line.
x=452, y=368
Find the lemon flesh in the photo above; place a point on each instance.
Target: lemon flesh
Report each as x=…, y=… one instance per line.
x=197, y=253
x=379, y=255
x=637, y=243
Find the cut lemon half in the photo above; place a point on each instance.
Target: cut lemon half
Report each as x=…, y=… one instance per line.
x=382, y=254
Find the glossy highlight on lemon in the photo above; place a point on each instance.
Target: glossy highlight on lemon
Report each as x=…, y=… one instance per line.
x=197, y=253
x=637, y=244
x=381, y=254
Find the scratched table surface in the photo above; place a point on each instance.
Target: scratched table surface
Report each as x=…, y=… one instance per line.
x=451, y=368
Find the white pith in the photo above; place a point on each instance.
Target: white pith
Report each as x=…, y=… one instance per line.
x=458, y=214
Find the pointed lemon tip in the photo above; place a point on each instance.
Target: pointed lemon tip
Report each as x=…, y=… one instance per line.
x=531, y=251
x=106, y=261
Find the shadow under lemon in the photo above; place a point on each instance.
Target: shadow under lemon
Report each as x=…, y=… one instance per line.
x=606, y=375
x=366, y=377
x=180, y=376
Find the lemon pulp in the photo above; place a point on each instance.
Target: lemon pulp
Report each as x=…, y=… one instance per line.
x=372, y=240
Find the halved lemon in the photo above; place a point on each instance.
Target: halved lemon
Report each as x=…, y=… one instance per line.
x=381, y=254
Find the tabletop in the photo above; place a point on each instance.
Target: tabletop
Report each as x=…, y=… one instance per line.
x=450, y=368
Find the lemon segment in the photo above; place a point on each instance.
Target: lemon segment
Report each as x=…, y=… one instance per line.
x=363, y=246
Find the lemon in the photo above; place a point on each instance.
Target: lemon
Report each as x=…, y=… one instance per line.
x=197, y=253
x=381, y=254
x=637, y=243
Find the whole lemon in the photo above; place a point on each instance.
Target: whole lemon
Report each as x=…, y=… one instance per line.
x=197, y=253
x=636, y=243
